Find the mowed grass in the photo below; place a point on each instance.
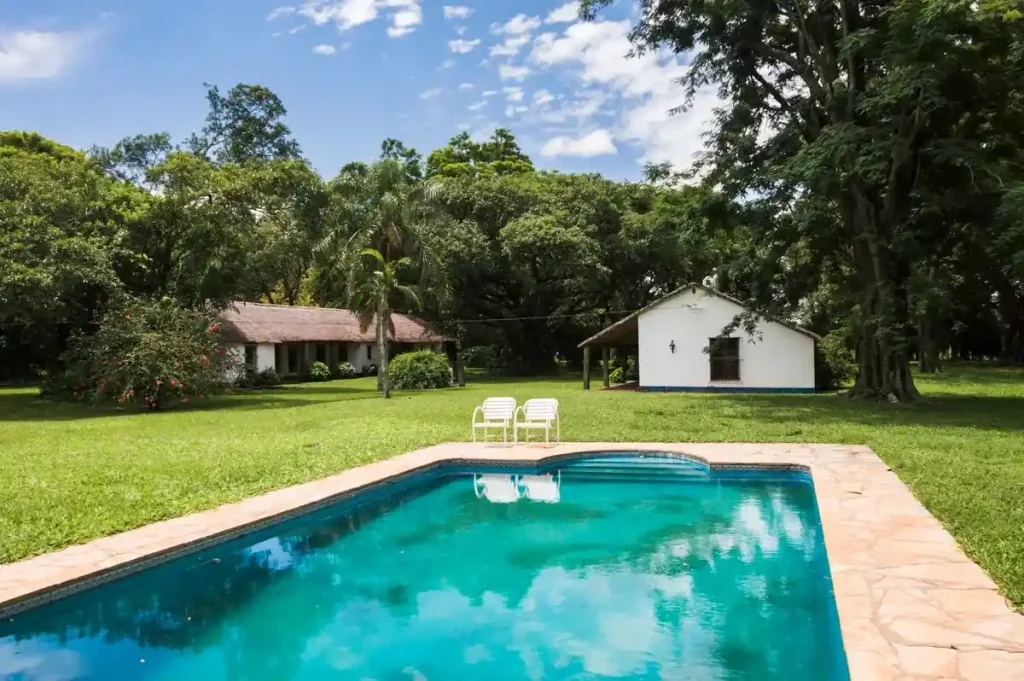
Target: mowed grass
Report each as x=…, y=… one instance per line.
x=70, y=473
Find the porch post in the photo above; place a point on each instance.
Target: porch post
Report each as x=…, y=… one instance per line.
x=586, y=367
x=604, y=366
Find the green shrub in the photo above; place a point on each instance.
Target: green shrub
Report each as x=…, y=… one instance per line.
x=149, y=353
x=625, y=372
x=267, y=378
x=318, y=371
x=420, y=370
x=344, y=370
x=250, y=378
x=835, y=363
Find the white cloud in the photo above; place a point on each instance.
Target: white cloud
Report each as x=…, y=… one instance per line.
x=509, y=72
x=511, y=46
x=542, y=97
x=33, y=55
x=476, y=106
x=462, y=46
x=431, y=93
x=325, y=50
x=570, y=11
x=465, y=86
x=405, y=15
x=405, y=21
x=447, y=63
x=488, y=93
x=645, y=89
x=520, y=23
x=281, y=12
x=457, y=12
x=461, y=30
x=594, y=143
x=513, y=94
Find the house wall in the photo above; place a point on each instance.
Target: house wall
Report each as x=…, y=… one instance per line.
x=357, y=355
x=265, y=358
x=781, y=359
x=237, y=352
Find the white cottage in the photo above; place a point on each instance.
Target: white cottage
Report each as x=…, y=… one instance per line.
x=286, y=338
x=680, y=347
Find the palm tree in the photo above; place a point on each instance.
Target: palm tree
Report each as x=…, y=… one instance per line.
x=379, y=208
x=375, y=296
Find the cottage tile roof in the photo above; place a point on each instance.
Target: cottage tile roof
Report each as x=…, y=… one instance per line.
x=261, y=323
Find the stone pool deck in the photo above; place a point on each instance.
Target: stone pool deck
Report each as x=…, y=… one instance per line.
x=912, y=606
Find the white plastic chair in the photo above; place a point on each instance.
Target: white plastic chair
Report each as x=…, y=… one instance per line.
x=497, y=489
x=495, y=412
x=543, y=414
x=543, y=488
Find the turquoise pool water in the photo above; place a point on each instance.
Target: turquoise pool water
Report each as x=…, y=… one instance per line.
x=643, y=569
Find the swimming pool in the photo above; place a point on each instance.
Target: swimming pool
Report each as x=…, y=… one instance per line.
x=634, y=568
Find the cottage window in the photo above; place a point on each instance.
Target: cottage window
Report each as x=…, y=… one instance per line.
x=725, y=359
x=321, y=352
x=369, y=352
x=250, y=356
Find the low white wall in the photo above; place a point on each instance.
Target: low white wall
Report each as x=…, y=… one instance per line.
x=781, y=358
x=237, y=352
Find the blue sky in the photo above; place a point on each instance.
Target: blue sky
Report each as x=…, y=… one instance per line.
x=352, y=72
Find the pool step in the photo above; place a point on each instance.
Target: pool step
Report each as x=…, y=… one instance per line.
x=635, y=468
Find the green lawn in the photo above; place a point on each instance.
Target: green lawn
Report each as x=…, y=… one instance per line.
x=71, y=473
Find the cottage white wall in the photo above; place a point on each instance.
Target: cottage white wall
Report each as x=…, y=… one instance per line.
x=236, y=351
x=781, y=358
x=357, y=355
x=265, y=357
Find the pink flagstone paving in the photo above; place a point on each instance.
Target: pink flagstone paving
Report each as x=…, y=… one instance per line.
x=912, y=606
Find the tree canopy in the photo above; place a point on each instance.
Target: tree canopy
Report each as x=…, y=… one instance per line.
x=864, y=177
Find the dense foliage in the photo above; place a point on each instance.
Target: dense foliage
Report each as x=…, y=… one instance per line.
x=145, y=354
x=879, y=149
x=864, y=178
x=421, y=370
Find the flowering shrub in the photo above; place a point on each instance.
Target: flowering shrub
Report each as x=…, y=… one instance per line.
x=146, y=354
x=318, y=371
x=420, y=371
x=344, y=370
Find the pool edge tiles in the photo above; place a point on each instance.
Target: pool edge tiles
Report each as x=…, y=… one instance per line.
x=911, y=604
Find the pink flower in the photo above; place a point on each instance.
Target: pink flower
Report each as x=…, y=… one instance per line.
x=159, y=383
x=132, y=393
x=200, y=397
x=184, y=399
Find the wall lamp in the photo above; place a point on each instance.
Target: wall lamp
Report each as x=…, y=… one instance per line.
x=672, y=346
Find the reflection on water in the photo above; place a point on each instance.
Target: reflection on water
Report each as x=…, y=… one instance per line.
x=691, y=580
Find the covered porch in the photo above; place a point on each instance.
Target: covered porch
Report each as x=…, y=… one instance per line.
x=622, y=336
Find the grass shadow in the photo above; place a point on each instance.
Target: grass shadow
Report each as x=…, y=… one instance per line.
x=941, y=410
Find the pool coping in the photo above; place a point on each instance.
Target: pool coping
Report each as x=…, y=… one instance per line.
x=911, y=605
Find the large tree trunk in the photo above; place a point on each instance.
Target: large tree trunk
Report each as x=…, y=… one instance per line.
x=883, y=319
x=927, y=345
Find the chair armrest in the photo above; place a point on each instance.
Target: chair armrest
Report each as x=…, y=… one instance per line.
x=478, y=410
x=515, y=416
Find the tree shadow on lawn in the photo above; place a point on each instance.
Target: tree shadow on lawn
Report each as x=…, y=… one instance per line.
x=941, y=410
x=30, y=406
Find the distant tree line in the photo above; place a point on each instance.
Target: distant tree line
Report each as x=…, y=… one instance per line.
x=865, y=178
